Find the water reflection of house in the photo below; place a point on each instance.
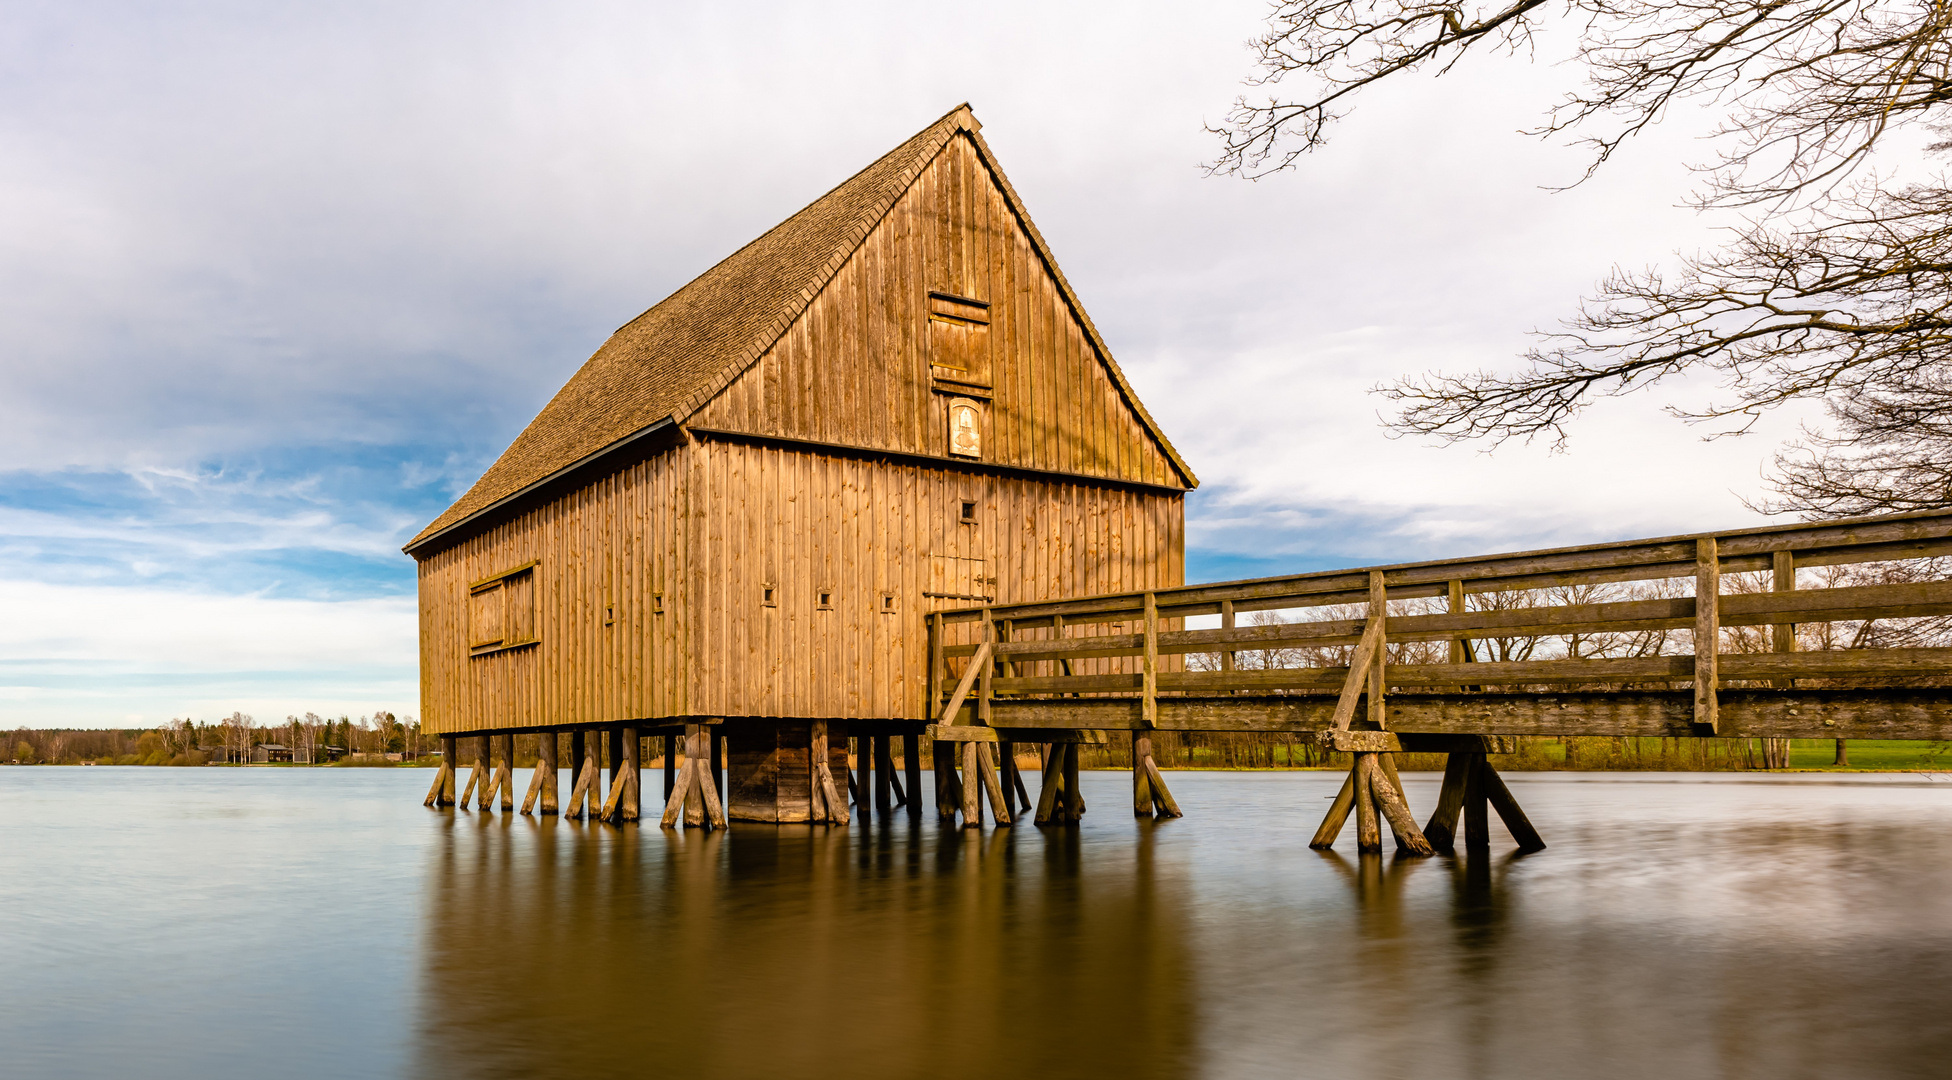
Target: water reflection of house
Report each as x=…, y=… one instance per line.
x=267, y=753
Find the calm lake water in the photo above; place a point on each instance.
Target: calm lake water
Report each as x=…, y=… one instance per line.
x=321, y=923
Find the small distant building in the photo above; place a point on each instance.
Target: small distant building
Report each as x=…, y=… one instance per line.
x=269, y=753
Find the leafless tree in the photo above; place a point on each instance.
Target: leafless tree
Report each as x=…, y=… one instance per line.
x=1836, y=284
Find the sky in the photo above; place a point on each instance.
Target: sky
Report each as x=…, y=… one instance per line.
x=277, y=282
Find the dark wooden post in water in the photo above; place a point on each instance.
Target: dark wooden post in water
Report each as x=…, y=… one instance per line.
x=911, y=766
x=670, y=765
x=615, y=760
x=718, y=762
x=884, y=772
x=1006, y=763
x=485, y=766
x=864, y=774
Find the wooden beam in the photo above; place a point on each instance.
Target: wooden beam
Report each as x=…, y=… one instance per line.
x=1441, y=830
x=1871, y=713
x=911, y=767
x=1338, y=814
x=1149, y=666
x=1707, y=632
x=1162, y=797
x=978, y=663
x=1358, y=677
x=1369, y=837
x=1500, y=798
x=547, y=762
x=1378, y=682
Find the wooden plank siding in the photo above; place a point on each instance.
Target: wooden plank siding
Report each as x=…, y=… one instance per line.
x=855, y=369
x=710, y=525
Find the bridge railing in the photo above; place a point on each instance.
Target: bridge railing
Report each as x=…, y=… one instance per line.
x=1137, y=644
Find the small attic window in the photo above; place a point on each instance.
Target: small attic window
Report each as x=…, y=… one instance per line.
x=769, y=595
x=968, y=511
x=959, y=348
x=657, y=603
x=824, y=599
x=887, y=603
x=947, y=307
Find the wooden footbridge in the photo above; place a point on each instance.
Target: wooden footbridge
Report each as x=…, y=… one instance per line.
x=1683, y=637
x=798, y=503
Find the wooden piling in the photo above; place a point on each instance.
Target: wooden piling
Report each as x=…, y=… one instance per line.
x=1338, y=814
x=972, y=787
x=948, y=792
x=1141, y=784
x=548, y=765
x=485, y=763
x=671, y=763
x=1387, y=787
x=911, y=766
x=884, y=771
x=506, y=778
x=986, y=770
x=1501, y=800
x=1073, y=791
x=1006, y=763
x=863, y=774
x=1477, y=822
x=442, y=792
x=1369, y=836
x=1441, y=830
x=577, y=752
x=631, y=807
x=1049, y=811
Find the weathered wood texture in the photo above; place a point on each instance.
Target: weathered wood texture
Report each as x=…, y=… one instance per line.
x=1049, y=400
x=1788, y=714
x=775, y=555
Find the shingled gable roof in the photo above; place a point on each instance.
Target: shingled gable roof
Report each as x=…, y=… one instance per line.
x=668, y=362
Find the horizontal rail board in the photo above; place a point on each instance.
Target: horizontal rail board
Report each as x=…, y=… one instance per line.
x=1905, y=536
x=1874, y=713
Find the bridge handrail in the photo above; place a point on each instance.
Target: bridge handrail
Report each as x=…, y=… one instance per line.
x=1160, y=642
x=1918, y=535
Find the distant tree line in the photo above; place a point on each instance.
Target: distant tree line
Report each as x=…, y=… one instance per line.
x=309, y=739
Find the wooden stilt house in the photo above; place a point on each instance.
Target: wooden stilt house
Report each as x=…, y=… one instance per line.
x=742, y=507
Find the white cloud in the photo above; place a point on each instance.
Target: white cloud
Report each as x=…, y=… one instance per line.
x=88, y=656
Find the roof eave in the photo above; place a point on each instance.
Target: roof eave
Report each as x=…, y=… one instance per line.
x=431, y=540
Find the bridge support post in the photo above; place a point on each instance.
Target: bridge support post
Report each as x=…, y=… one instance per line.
x=1375, y=792
x=948, y=789
x=1149, y=793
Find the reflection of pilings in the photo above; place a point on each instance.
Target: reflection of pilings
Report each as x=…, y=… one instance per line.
x=958, y=943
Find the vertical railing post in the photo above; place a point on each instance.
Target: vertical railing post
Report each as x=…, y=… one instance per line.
x=1775, y=751
x=1785, y=633
x=1226, y=623
x=1379, y=613
x=1707, y=632
x=983, y=678
x=1454, y=604
x=935, y=667
x=1149, y=676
